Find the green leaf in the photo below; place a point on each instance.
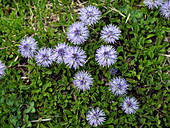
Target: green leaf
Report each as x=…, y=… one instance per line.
x=110, y=126
x=32, y=104
x=13, y=120
x=138, y=76
x=114, y=103
x=48, y=72
x=46, y=86
x=24, y=87
x=148, y=41
x=28, y=110
x=115, y=121
x=110, y=120
x=67, y=112
x=142, y=40
x=141, y=91
x=158, y=105
x=149, y=36
x=102, y=97
x=167, y=29
x=30, y=61
x=15, y=62
x=160, y=59
x=33, y=110
x=138, y=14
x=119, y=49
x=29, y=124
x=151, y=54
x=158, y=88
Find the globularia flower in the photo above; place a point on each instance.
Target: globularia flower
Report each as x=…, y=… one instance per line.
x=74, y=57
x=78, y=33
x=27, y=47
x=118, y=86
x=165, y=9
x=60, y=51
x=2, y=68
x=153, y=3
x=110, y=33
x=45, y=57
x=130, y=105
x=90, y=15
x=106, y=55
x=83, y=80
x=96, y=117
x=113, y=71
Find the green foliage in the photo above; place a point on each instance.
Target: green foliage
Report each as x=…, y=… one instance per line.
x=48, y=93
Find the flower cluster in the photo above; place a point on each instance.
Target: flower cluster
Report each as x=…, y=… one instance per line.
x=74, y=56
x=28, y=47
x=110, y=33
x=90, y=15
x=78, y=33
x=96, y=117
x=83, y=80
x=130, y=105
x=106, y=55
x=113, y=71
x=44, y=57
x=60, y=52
x=2, y=68
x=118, y=86
x=164, y=6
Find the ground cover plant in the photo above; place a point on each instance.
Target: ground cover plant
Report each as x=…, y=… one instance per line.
x=84, y=63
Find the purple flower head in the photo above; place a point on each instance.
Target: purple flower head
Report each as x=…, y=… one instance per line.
x=27, y=47
x=59, y=52
x=96, y=117
x=118, y=86
x=110, y=33
x=2, y=68
x=83, y=80
x=165, y=9
x=78, y=33
x=106, y=55
x=130, y=105
x=153, y=3
x=45, y=57
x=74, y=57
x=113, y=71
x=90, y=15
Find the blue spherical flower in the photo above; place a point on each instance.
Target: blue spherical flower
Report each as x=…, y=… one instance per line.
x=74, y=57
x=83, y=80
x=60, y=51
x=96, y=117
x=153, y=3
x=113, y=71
x=28, y=47
x=90, y=15
x=165, y=9
x=106, y=55
x=78, y=33
x=2, y=68
x=110, y=33
x=130, y=105
x=118, y=86
x=45, y=57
